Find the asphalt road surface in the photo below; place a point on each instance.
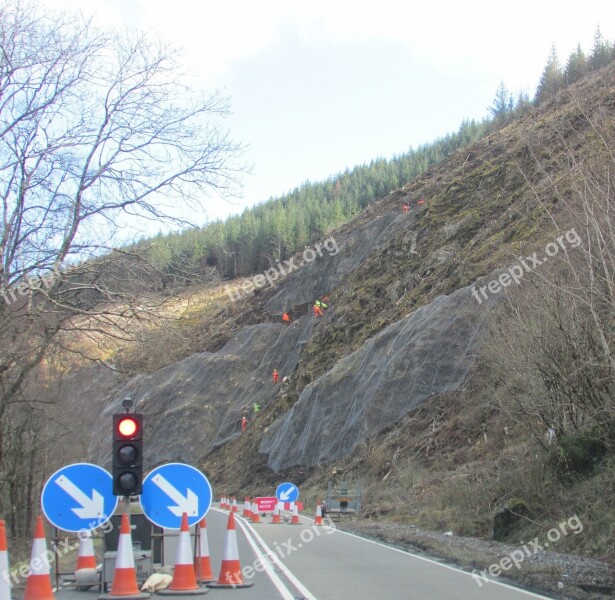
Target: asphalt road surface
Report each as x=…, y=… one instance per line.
x=300, y=562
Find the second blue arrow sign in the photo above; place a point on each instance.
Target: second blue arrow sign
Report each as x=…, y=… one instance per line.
x=172, y=489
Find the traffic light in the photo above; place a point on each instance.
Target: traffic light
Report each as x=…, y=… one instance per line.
x=127, y=454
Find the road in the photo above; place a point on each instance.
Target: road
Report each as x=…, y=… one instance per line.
x=293, y=562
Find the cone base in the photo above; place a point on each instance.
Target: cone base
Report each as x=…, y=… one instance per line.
x=38, y=587
x=195, y=592
x=233, y=586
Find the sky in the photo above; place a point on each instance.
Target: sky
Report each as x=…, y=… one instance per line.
x=321, y=86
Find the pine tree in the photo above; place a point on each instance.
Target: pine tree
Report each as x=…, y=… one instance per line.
x=551, y=80
x=522, y=104
x=502, y=105
x=576, y=66
x=601, y=52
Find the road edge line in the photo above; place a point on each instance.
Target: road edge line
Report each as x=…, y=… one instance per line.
x=287, y=572
x=275, y=580
x=450, y=567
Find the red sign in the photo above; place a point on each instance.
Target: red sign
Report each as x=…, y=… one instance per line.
x=266, y=504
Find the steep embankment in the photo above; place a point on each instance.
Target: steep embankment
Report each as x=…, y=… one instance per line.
x=402, y=325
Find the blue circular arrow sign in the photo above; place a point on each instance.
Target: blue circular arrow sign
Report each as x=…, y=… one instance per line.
x=172, y=489
x=79, y=497
x=287, y=492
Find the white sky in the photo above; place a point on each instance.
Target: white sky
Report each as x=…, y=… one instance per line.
x=323, y=85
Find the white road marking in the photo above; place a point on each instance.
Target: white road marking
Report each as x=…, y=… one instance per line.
x=280, y=565
x=439, y=564
x=277, y=582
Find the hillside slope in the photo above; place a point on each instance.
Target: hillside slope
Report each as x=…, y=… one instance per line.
x=482, y=207
x=389, y=385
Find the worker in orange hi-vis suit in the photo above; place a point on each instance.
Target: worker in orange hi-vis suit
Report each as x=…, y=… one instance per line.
x=244, y=423
x=276, y=376
x=285, y=318
x=405, y=208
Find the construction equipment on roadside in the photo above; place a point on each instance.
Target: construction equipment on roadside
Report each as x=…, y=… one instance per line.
x=343, y=500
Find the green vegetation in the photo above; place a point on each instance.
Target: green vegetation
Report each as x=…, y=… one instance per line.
x=273, y=231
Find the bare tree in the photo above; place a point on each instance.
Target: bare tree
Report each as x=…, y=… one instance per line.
x=553, y=346
x=95, y=127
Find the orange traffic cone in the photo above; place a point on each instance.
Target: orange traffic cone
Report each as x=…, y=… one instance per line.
x=230, y=570
x=294, y=520
x=85, y=571
x=234, y=505
x=202, y=561
x=5, y=584
x=85, y=557
x=38, y=585
x=276, y=520
x=256, y=518
x=318, y=520
x=125, y=576
x=247, y=508
x=184, y=578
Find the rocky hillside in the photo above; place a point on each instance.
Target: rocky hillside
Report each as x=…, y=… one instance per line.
x=390, y=367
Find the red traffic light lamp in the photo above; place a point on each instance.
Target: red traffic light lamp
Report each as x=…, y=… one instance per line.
x=127, y=427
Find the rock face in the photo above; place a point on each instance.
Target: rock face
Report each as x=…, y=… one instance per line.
x=428, y=352
x=197, y=404
x=324, y=273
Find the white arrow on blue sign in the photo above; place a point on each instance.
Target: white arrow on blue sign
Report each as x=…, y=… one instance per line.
x=173, y=489
x=287, y=492
x=79, y=497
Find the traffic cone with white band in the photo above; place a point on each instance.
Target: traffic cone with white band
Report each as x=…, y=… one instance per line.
x=230, y=570
x=294, y=520
x=234, y=505
x=38, y=584
x=202, y=561
x=256, y=518
x=125, y=576
x=85, y=571
x=318, y=520
x=184, y=578
x=276, y=520
x=247, y=508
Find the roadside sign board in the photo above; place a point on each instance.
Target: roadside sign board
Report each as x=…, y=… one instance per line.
x=266, y=504
x=287, y=492
x=172, y=489
x=79, y=497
